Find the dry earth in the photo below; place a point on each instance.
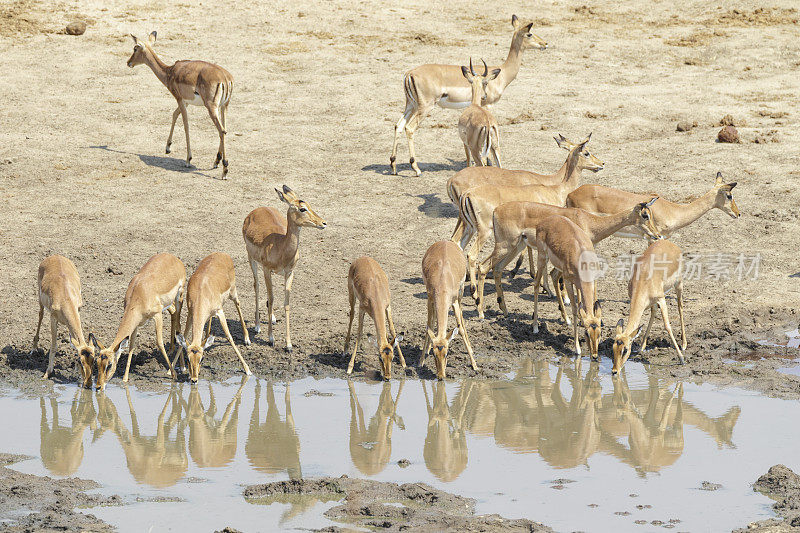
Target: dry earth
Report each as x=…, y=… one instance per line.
x=318, y=89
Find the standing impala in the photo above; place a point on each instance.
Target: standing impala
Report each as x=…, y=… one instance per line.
x=157, y=287
x=657, y=271
x=191, y=83
x=668, y=216
x=563, y=243
x=478, y=204
x=443, y=85
x=212, y=283
x=367, y=281
x=512, y=219
x=443, y=271
x=60, y=294
x=273, y=241
x=477, y=127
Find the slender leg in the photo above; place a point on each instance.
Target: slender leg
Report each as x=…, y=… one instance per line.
x=179, y=353
x=411, y=127
x=679, y=297
x=254, y=268
x=131, y=344
x=172, y=128
x=358, y=339
x=530, y=262
x=53, y=343
x=38, y=327
x=158, y=319
x=662, y=304
x=571, y=289
x=466, y=151
x=208, y=331
x=463, y=330
x=185, y=117
x=643, y=344
x=541, y=260
x=557, y=282
x=213, y=111
x=289, y=278
x=458, y=231
x=223, y=109
x=400, y=126
x=175, y=320
x=513, y=272
x=426, y=345
x=394, y=334
x=270, y=302
x=224, y=324
x=497, y=270
x=352, y=298
x=495, y=157
x=235, y=297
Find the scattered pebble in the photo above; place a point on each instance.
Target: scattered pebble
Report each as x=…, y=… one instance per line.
x=728, y=120
x=76, y=28
x=707, y=485
x=633, y=495
x=196, y=479
x=622, y=513
x=685, y=126
x=657, y=523
x=674, y=520
x=645, y=506
x=728, y=134
x=114, y=270
x=315, y=392
x=593, y=505
x=640, y=522
x=403, y=463
x=562, y=481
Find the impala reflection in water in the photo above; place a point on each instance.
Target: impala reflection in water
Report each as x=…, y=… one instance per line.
x=563, y=414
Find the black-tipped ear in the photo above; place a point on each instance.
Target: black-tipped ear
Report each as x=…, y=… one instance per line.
x=597, y=310
x=135, y=40
x=93, y=340
x=152, y=37
x=287, y=189
x=465, y=72
x=529, y=26
x=732, y=185
x=514, y=21
x=494, y=74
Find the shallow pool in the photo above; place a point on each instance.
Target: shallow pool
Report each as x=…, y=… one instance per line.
x=569, y=447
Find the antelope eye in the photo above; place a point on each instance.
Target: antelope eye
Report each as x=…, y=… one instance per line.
x=730, y=197
x=303, y=209
x=529, y=35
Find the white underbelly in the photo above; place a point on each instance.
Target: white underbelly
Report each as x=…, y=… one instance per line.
x=197, y=100
x=450, y=104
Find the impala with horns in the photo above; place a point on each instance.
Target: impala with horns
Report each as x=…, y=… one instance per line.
x=60, y=294
x=443, y=271
x=429, y=85
x=367, y=282
x=213, y=282
x=157, y=287
x=467, y=178
x=273, y=241
x=478, y=204
x=668, y=216
x=656, y=272
x=560, y=241
x=191, y=83
x=512, y=219
x=477, y=127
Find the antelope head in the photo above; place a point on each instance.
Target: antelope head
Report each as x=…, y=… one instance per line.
x=386, y=354
x=523, y=35
x=645, y=220
x=440, y=346
x=593, y=323
x=479, y=81
x=194, y=353
x=86, y=357
x=299, y=211
x=724, y=200
x=140, y=49
x=621, y=348
x=585, y=159
x=106, y=360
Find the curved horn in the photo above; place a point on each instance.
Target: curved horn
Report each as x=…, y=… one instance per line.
x=471, y=70
x=485, y=69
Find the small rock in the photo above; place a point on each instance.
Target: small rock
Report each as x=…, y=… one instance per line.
x=403, y=463
x=113, y=270
x=76, y=28
x=760, y=139
x=315, y=392
x=728, y=120
x=593, y=505
x=622, y=513
x=300, y=14
x=707, y=485
x=685, y=126
x=728, y=134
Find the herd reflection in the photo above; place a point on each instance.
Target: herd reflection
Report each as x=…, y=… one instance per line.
x=565, y=419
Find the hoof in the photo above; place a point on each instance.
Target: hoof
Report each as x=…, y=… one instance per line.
x=271, y=341
x=248, y=373
x=167, y=150
x=257, y=329
x=566, y=301
x=536, y=329
x=187, y=164
x=247, y=342
x=288, y=349
x=273, y=319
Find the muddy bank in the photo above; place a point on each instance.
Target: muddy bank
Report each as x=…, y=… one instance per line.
x=391, y=507
x=50, y=502
x=724, y=348
x=783, y=485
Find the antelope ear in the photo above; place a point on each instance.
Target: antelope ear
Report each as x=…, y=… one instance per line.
x=465, y=72
x=493, y=74
x=598, y=311
x=563, y=142
x=181, y=340
x=718, y=181
x=514, y=21
x=281, y=196
x=91, y=339
x=287, y=189
x=152, y=37
x=528, y=27
x=651, y=202
x=582, y=312
x=430, y=334
x=731, y=186
x=209, y=342
x=453, y=335
x=123, y=346
x=135, y=39
x=588, y=138
x=620, y=326
x=638, y=332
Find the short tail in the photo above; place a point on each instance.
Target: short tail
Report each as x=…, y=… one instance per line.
x=468, y=212
x=452, y=193
x=410, y=89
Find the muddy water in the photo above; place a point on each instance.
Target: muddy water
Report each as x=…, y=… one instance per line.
x=570, y=447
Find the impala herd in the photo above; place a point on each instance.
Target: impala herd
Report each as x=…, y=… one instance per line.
x=551, y=214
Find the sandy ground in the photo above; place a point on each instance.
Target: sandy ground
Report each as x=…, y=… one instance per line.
x=317, y=92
